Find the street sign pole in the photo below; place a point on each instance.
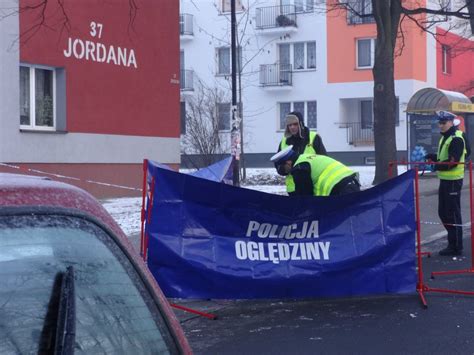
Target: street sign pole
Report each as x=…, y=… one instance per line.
x=235, y=132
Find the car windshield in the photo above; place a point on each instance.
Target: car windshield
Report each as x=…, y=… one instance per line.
x=112, y=311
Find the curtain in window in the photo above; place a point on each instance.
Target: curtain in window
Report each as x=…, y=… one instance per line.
x=298, y=53
x=223, y=115
x=24, y=96
x=311, y=55
x=44, y=98
x=312, y=114
x=224, y=60
x=363, y=53
x=299, y=106
x=285, y=108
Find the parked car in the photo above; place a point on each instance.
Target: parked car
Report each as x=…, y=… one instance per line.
x=70, y=280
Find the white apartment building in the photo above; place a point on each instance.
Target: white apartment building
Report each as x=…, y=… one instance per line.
x=296, y=56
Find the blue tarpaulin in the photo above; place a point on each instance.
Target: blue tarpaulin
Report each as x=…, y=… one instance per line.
x=219, y=172
x=211, y=240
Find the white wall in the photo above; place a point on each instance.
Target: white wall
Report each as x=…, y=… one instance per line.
x=9, y=74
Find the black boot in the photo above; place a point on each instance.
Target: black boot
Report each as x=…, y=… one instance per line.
x=450, y=251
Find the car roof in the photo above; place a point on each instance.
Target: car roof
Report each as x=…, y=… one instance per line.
x=17, y=190
x=28, y=190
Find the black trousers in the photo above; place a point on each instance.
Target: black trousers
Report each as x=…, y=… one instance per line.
x=449, y=211
x=346, y=186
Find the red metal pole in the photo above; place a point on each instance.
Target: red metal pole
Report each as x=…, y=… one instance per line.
x=190, y=310
x=148, y=219
x=420, y=286
x=142, y=215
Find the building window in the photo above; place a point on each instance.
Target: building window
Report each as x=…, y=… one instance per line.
x=223, y=116
x=183, y=116
x=365, y=53
x=299, y=5
x=224, y=64
x=304, y=55
x=446, y=5
x=307, y=108
x=446, y=59
x=367, y=113
x=359, y=12
x=37, y=97
x=224, y=5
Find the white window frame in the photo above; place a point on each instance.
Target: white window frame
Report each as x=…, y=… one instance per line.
x=230, y=117
x=445, y=57
x=305, y=54
x=32, y=125
x=224, y=6
x=306, y=5
x=238, y=63
x=372, y=52
x=292, y=108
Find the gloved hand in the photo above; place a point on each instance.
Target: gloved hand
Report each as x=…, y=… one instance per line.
x=431, y=157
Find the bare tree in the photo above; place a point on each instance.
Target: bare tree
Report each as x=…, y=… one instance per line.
x=389, y=16
x=203, y=135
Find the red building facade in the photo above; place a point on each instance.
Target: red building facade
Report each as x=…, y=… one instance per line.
x=99, y=90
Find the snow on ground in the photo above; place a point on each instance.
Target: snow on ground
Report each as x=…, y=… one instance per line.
x=126, y=211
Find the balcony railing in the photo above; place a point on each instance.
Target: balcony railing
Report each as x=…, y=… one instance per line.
x=186, y=25
x=359, y=133
x=186, y=80
x=275, y=16
x=353, y=19
x=276, y=75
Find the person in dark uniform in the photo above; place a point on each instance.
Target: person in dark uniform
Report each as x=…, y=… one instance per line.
x=303, y=141
x=451, y=149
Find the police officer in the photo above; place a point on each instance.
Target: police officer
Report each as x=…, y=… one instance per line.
x=451, y=148
x=303, y=141
x=319, y=175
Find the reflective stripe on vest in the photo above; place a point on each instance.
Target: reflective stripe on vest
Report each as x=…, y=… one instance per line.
x=325, y=172
x=457, y=172
x=290, y=183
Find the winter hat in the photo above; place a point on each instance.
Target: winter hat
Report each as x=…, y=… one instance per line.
x=294, y=117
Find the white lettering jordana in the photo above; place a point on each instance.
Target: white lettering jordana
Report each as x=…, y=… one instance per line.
x=98, y=52
x=277, y=252
x=307, y=229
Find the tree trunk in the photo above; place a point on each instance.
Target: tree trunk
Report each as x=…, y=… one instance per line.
x=470, y=7
x=387, y=17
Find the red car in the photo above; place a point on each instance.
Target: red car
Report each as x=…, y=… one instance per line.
x=70, y=280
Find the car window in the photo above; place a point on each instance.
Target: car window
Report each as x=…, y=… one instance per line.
x=113, y=312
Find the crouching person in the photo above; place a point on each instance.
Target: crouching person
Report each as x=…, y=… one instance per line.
x=318, y=175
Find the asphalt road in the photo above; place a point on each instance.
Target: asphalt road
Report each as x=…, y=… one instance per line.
x=372, y=325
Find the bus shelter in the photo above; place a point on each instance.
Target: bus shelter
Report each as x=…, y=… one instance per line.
x=422, y=128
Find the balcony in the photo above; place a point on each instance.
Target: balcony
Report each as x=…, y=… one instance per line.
x=186, y=80
x=186, y=27
x=358, y=133
x=276, y=76
x=353, y=19
x=276, y=19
